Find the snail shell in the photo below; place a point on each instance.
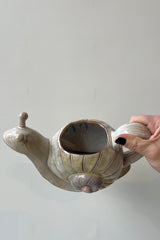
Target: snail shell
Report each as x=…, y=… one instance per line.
x=82, y=154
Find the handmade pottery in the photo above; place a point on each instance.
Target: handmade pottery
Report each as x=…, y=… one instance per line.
x=82, y=156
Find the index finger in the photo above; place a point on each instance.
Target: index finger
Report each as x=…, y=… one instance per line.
x=146, y=120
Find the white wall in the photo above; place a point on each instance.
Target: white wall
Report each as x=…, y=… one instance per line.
x=64, y=60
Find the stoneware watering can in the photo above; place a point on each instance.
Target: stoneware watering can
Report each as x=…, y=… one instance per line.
x=82, y=156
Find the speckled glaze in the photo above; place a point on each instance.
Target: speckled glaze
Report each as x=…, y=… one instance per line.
x=82, y=156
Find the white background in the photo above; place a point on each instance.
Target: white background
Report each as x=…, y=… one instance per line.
x=64, y=60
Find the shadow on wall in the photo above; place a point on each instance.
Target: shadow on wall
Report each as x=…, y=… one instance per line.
x=142, y=196
x=26, y=173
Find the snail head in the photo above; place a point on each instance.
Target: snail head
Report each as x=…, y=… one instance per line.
x=15, y=138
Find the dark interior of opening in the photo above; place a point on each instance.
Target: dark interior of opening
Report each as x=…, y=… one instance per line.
x=83, y=138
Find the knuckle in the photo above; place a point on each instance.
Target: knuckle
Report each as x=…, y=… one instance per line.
x=132, y=119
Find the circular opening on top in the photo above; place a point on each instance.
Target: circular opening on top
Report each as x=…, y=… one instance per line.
x=83, y=137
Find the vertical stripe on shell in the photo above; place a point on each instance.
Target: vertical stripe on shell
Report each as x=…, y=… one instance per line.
x=98, y=162
x=83, y=163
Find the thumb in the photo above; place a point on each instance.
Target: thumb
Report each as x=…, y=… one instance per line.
x=133, y=143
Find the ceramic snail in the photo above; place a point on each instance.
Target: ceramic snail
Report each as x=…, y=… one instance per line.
x=82, y=156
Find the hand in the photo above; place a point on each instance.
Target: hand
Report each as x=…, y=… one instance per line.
x=149, y=148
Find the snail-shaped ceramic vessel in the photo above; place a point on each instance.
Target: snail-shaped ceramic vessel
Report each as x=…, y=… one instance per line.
x=82, y=156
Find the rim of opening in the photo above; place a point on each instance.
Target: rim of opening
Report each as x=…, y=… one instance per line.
x=79, y=121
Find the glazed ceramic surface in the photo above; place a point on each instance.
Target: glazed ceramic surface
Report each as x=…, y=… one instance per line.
x=82, y=156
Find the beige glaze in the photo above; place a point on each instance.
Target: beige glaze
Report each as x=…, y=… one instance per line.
x=82, y=156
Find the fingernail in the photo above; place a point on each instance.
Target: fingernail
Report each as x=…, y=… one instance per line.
x=121, y=141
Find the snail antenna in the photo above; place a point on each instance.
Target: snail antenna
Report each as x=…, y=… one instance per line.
x=22, y=119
